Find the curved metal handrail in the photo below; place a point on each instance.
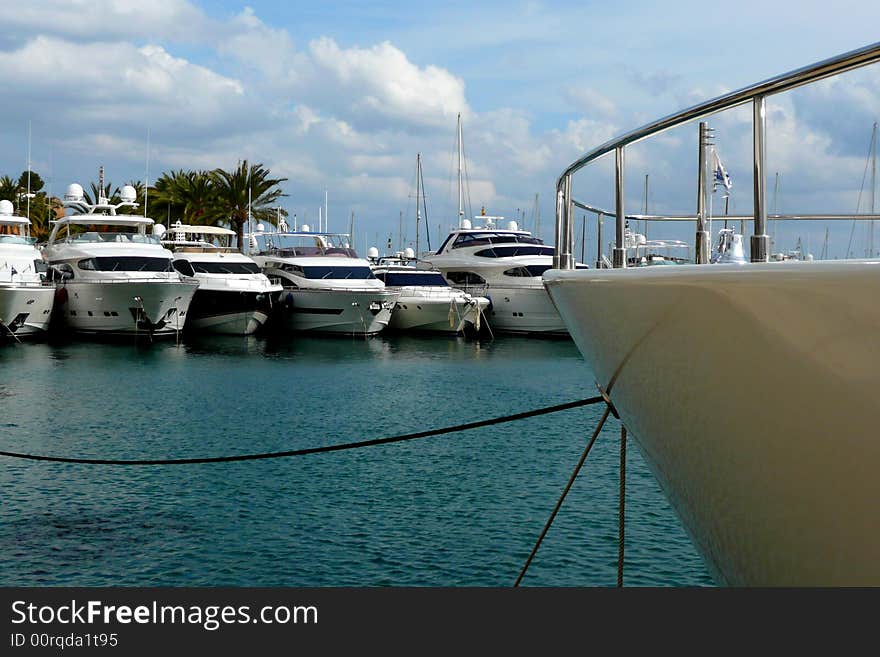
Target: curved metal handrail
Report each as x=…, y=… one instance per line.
x=755, y=93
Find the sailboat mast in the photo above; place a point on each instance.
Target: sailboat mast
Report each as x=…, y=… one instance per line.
x=418, y=193
x=29, y=173
x=326, y=213
x=873, y=185
x=460, y=166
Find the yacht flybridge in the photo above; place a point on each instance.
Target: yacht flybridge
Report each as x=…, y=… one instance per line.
x=234, y=296
x=25, y=299
x=750, y=387
x=113, y=276
x=327, y=287
x=505, y=265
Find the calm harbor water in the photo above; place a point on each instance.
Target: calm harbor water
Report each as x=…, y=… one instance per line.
x=462, y=509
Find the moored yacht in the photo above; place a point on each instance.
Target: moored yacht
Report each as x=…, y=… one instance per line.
x=505, y=265
x=25, y=299
x=234, y=296
x=113, y=276
x=427, y=302
x=327, y=287
x=750, y=387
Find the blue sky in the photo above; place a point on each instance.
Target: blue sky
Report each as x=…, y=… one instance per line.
x=340, y=96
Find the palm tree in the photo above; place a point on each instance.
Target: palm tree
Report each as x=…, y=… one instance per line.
x=234, y=189
x=9, y=189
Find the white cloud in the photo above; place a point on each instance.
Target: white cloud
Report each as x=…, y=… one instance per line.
x=105, y=20
x=380, y=82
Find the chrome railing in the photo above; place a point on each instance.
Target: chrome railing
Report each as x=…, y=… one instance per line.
x=756, y=94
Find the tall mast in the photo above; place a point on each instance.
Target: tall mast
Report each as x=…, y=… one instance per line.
x=873, y=186
x=460, y=166
x=29, y=171
x=418, y=193
x=326, y=212
x=147, y=177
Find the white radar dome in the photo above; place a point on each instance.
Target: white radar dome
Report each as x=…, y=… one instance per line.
x=260, y=228
x=466, y=224
x=74, y=193
x=409, y=253
x=5, y=207
x=305, y=228
x=512, y=225
x=128, y=194
x=372, y=252
x=158, y=230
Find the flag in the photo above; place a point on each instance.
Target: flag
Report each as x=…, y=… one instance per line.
x=721, y=176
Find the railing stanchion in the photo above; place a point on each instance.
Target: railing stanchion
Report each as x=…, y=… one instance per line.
x=599, y=263
x=566, y=258
x=560, y=225
x=702, y=237
x=620, y=228
x=759, y=241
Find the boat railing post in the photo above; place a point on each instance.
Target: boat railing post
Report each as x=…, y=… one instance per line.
x=759, y=241
x=702, y=236
x=599, y=263
x=566, y=258
x=619, y=257
x=560, y=212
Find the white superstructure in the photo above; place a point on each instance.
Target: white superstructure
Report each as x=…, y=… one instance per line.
x=113, y=276
x=25, y=299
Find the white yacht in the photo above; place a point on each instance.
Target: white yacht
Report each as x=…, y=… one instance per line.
x=234, y=296
x=427, y=302
x=751, y=388
x=25, y=299
x=505, y=265
x=113, y=276
x=327, y=287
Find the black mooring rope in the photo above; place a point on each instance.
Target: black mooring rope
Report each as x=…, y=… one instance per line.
x=313, y=450
x=621, y=509
x=567, y=488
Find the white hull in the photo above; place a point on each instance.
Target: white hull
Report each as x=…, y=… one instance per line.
x=243, y=323
x=437, y=315
x=111, y=307
x=524, y=309
x=25, y=309
x=752, y=391
x=346, y=312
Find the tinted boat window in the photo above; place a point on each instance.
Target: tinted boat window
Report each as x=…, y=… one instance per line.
x=512, y=251
x=125, y=263
x=226, y=267
x=406, y=278
x=338, y=273
x=465, y=278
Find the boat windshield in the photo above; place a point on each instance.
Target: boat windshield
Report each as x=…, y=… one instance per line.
x=295, y=245
x=513, y=251
x=485, y=237
x=114, y=236
x=16, y=239
x=125, y=263
x=329, y=273
x=411, y=279
x=225, y=267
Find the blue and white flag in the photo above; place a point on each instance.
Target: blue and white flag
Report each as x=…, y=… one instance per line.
x=721, y=176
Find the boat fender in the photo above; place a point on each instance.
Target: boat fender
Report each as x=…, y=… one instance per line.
x=288, y=300
x=60, y=296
